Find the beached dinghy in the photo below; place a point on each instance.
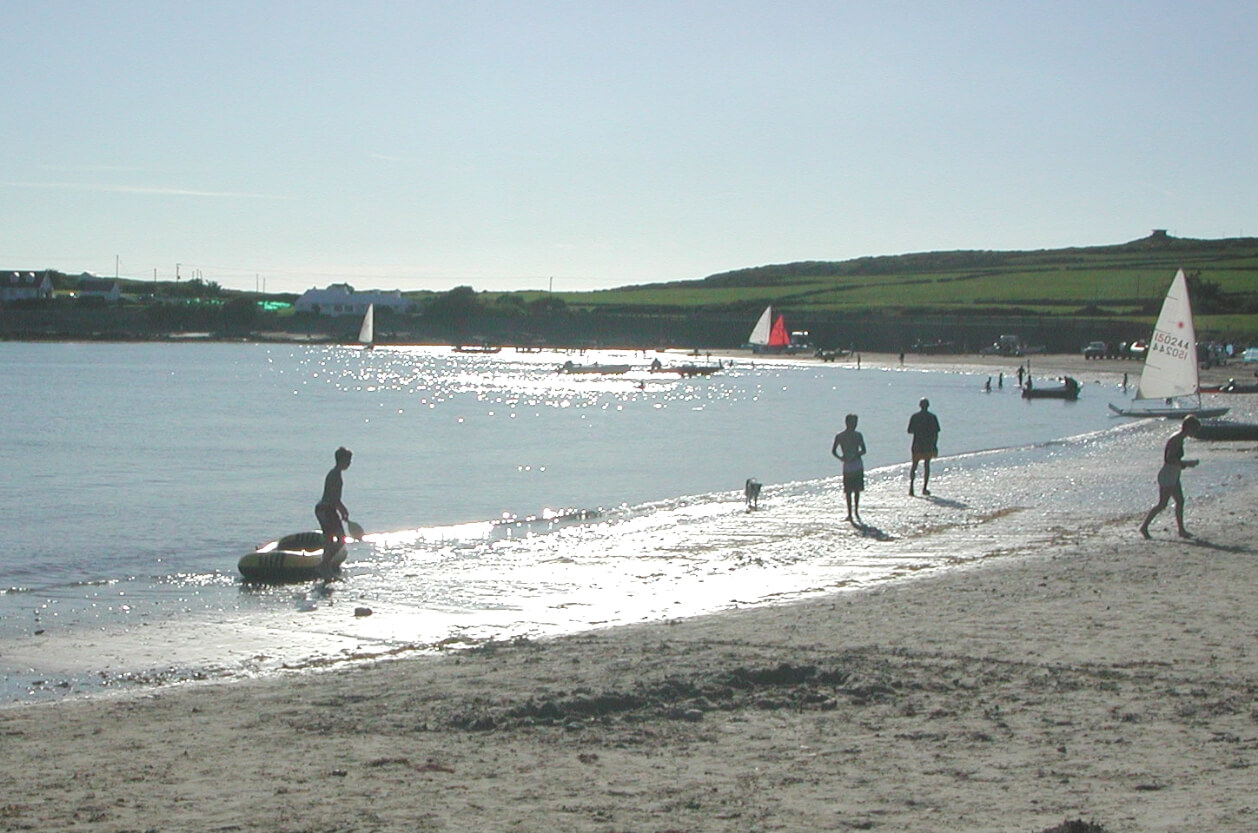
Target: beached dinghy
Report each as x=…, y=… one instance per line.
x=1170, y=366
x=1231, y=386
x=1224, y=430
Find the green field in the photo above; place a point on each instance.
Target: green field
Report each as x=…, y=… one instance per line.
x=1060, y=297
x=1111, y=281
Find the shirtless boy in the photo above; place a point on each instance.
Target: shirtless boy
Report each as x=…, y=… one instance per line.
x=331, y=511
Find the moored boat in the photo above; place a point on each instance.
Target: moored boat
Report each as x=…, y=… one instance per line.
x=367, y=331
x=1069, y=390
x=596, y=368
x=686, y=369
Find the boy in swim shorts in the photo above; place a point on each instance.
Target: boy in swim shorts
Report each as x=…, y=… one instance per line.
x=852, y=444
x=331, y=511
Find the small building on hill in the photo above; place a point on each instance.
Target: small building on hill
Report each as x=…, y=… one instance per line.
x=103, y=288
x=25, y=286
x=341, y=299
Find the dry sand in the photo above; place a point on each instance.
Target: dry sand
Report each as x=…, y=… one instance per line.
x=1104, y=678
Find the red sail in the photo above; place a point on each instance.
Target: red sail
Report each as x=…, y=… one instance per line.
x=778, y=337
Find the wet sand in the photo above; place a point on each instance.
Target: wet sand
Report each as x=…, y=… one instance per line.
x=1100, y=677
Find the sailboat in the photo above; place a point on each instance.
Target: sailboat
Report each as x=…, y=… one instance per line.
x=1170, y=366
x=367, y=333
x=769, y=335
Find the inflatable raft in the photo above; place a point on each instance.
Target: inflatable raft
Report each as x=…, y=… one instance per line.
x=295, y=557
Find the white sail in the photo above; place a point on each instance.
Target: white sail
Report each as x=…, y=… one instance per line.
x=1170, y=367
x=367, y=334
x=760, y=334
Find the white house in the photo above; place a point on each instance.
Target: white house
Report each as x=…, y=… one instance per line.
x=90, y=287
x=25, y=286
x=341, y=299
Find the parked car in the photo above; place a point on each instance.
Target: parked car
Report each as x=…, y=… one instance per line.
x=1096, y=350
x=1138, y=349
x=1250, y=355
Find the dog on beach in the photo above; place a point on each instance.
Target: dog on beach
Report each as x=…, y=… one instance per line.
x=751, y=491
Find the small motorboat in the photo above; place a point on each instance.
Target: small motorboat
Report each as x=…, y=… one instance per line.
x=685, y=369
x=1068, y=389
x=596, y=368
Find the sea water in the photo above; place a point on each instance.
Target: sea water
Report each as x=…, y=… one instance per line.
x=502, y=499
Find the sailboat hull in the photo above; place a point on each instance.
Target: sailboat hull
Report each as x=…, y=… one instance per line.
x=1169, y=412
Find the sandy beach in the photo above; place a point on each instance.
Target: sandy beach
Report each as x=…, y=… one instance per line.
x=1101, y=677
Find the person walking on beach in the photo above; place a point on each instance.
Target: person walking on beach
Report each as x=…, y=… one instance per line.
x=331, y=511
x=852, y=444
x=1169, y=487
x=924, y=426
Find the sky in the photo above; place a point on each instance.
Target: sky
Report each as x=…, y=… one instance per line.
x=546, y=144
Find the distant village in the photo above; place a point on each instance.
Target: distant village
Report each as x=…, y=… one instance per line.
x=18, y=286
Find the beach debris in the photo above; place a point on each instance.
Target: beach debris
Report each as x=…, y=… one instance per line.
x=362, y=611
x=379, y=762
x=1076, y=826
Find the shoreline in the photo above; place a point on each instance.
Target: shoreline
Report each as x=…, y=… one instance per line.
x=1050, y=364
x=1102, y=677
x=1096, y=676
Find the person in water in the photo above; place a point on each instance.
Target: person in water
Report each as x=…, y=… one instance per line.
x=1169, y=487
x=924, y=426
x=852, y=444
x=331, y=511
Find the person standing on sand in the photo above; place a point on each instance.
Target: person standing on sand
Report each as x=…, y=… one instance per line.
x=852, y=444
x=1169, y=487
x=924, y=427
x=331, y=511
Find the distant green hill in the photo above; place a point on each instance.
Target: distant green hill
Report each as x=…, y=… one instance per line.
x=1059, y=298
x=1106, y=281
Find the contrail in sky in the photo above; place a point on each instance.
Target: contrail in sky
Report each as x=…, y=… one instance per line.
x=141, y=189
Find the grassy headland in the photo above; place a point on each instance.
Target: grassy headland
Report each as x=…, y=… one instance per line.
x=1060, y=298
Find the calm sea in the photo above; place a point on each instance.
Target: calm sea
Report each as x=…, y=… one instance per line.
x=136, y=475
